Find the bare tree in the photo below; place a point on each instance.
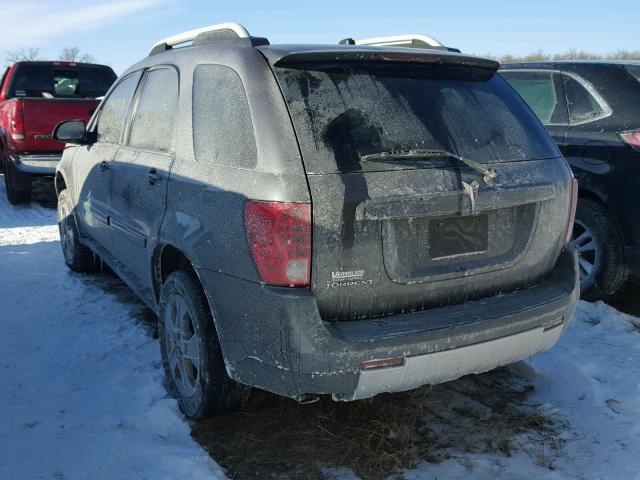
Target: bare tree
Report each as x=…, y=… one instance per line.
x=571, y=54
x=23, y=54
x=73, y=54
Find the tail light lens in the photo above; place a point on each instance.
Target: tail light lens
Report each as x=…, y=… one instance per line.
x=279, y=236
x=572, y=210
x=17, y=127
x=632, y=139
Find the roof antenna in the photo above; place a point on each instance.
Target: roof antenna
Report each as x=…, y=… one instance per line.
x=347, y=41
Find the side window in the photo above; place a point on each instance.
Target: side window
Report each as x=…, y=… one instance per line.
x=634, y=70
x=113, y=114
x=582, y=105
x=543, y=92
x=222, y=126
x=153, y=125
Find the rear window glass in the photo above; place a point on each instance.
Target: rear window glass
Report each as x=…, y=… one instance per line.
x=343, y=112
x=61, y=81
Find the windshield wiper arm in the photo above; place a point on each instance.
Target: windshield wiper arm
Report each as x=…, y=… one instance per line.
x=422, y=154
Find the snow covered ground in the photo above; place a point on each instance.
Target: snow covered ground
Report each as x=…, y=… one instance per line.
x=81, y=393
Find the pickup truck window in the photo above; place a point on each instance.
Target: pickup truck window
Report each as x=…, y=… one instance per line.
x=49, y=79
x=114, y=112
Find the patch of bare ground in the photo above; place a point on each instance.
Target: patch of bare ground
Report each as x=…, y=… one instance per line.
x=278, y=438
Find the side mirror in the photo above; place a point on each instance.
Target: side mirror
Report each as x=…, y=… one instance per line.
x=73, y=131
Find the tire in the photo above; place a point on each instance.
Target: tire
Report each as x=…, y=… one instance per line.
x=11, y=178
x=77, y=257
x=191, y=353
x=598, y=241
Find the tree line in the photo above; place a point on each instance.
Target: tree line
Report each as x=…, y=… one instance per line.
x=571, y=54
x=68, y=54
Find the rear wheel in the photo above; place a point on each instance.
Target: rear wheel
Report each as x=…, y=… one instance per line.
x=600, y=251
x=77, y=257
x=191, y=353
x=18, y=185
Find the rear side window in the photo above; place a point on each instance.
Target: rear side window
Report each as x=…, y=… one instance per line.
x=153, y=125
x=61, y=80
x=222, y=126
x=543, y=92
x=114, y=111
x=342, y=112
x=634, y=70
x=582, y=105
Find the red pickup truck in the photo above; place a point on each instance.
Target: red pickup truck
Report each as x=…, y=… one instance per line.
x=34, y=98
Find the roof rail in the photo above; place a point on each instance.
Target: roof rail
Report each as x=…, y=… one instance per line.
x=219, y=33
x=416, y=40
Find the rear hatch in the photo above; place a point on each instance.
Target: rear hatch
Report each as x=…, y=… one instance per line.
x=52, y=92
x=402, y=220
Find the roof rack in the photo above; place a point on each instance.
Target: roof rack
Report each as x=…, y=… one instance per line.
x=410, y=40
x=221, y=33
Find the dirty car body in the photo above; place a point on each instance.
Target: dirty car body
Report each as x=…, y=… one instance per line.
x=407, y=269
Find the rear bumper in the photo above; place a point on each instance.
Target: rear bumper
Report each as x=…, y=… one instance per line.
x=275, y=339
x=37, y=164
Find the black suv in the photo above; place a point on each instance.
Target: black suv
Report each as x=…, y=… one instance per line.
x=592, y=110
x=330, y=219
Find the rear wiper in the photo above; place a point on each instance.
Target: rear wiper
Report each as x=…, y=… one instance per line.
x=488, y=174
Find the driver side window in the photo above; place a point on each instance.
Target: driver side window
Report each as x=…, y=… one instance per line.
x=113, y=115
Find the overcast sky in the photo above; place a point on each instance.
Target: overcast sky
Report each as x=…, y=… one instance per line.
x=121, y=32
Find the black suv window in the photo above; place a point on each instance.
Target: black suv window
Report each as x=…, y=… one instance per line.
x=113, y=114
x=342, y=112
x=153, y=125
x=543, y=92
x=634, y=70
x=222, y=126
x=582, y=105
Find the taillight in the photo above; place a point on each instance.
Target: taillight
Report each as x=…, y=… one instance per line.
x=17, y=126
x=572, y=210
x=632, y=139
x=279, y=236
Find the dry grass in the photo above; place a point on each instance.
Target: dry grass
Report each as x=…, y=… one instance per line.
x=277, y=438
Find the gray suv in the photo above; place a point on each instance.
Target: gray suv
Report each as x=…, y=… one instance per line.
x=322, y=219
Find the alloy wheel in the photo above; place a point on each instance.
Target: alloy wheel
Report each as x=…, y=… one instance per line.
x=589, y=252
x=183, y=351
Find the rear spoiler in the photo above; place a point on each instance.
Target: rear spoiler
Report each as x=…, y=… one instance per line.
x=349, y=53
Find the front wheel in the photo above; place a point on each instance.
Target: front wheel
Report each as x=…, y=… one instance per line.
x=597, y=240
x=191, y=353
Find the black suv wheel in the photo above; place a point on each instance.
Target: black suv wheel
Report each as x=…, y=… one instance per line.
x=600, y=251
x=191, y=354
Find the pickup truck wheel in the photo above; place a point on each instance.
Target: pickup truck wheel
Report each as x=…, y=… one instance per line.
x=12, y=179
x=597, y=240
x=191, y=352
x=77, y=257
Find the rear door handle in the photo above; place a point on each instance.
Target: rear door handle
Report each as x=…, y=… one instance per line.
x=104, y=166
x=154, y=177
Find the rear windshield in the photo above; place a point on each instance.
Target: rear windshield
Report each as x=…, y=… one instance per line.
x=344, y=112
x=61, y=81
